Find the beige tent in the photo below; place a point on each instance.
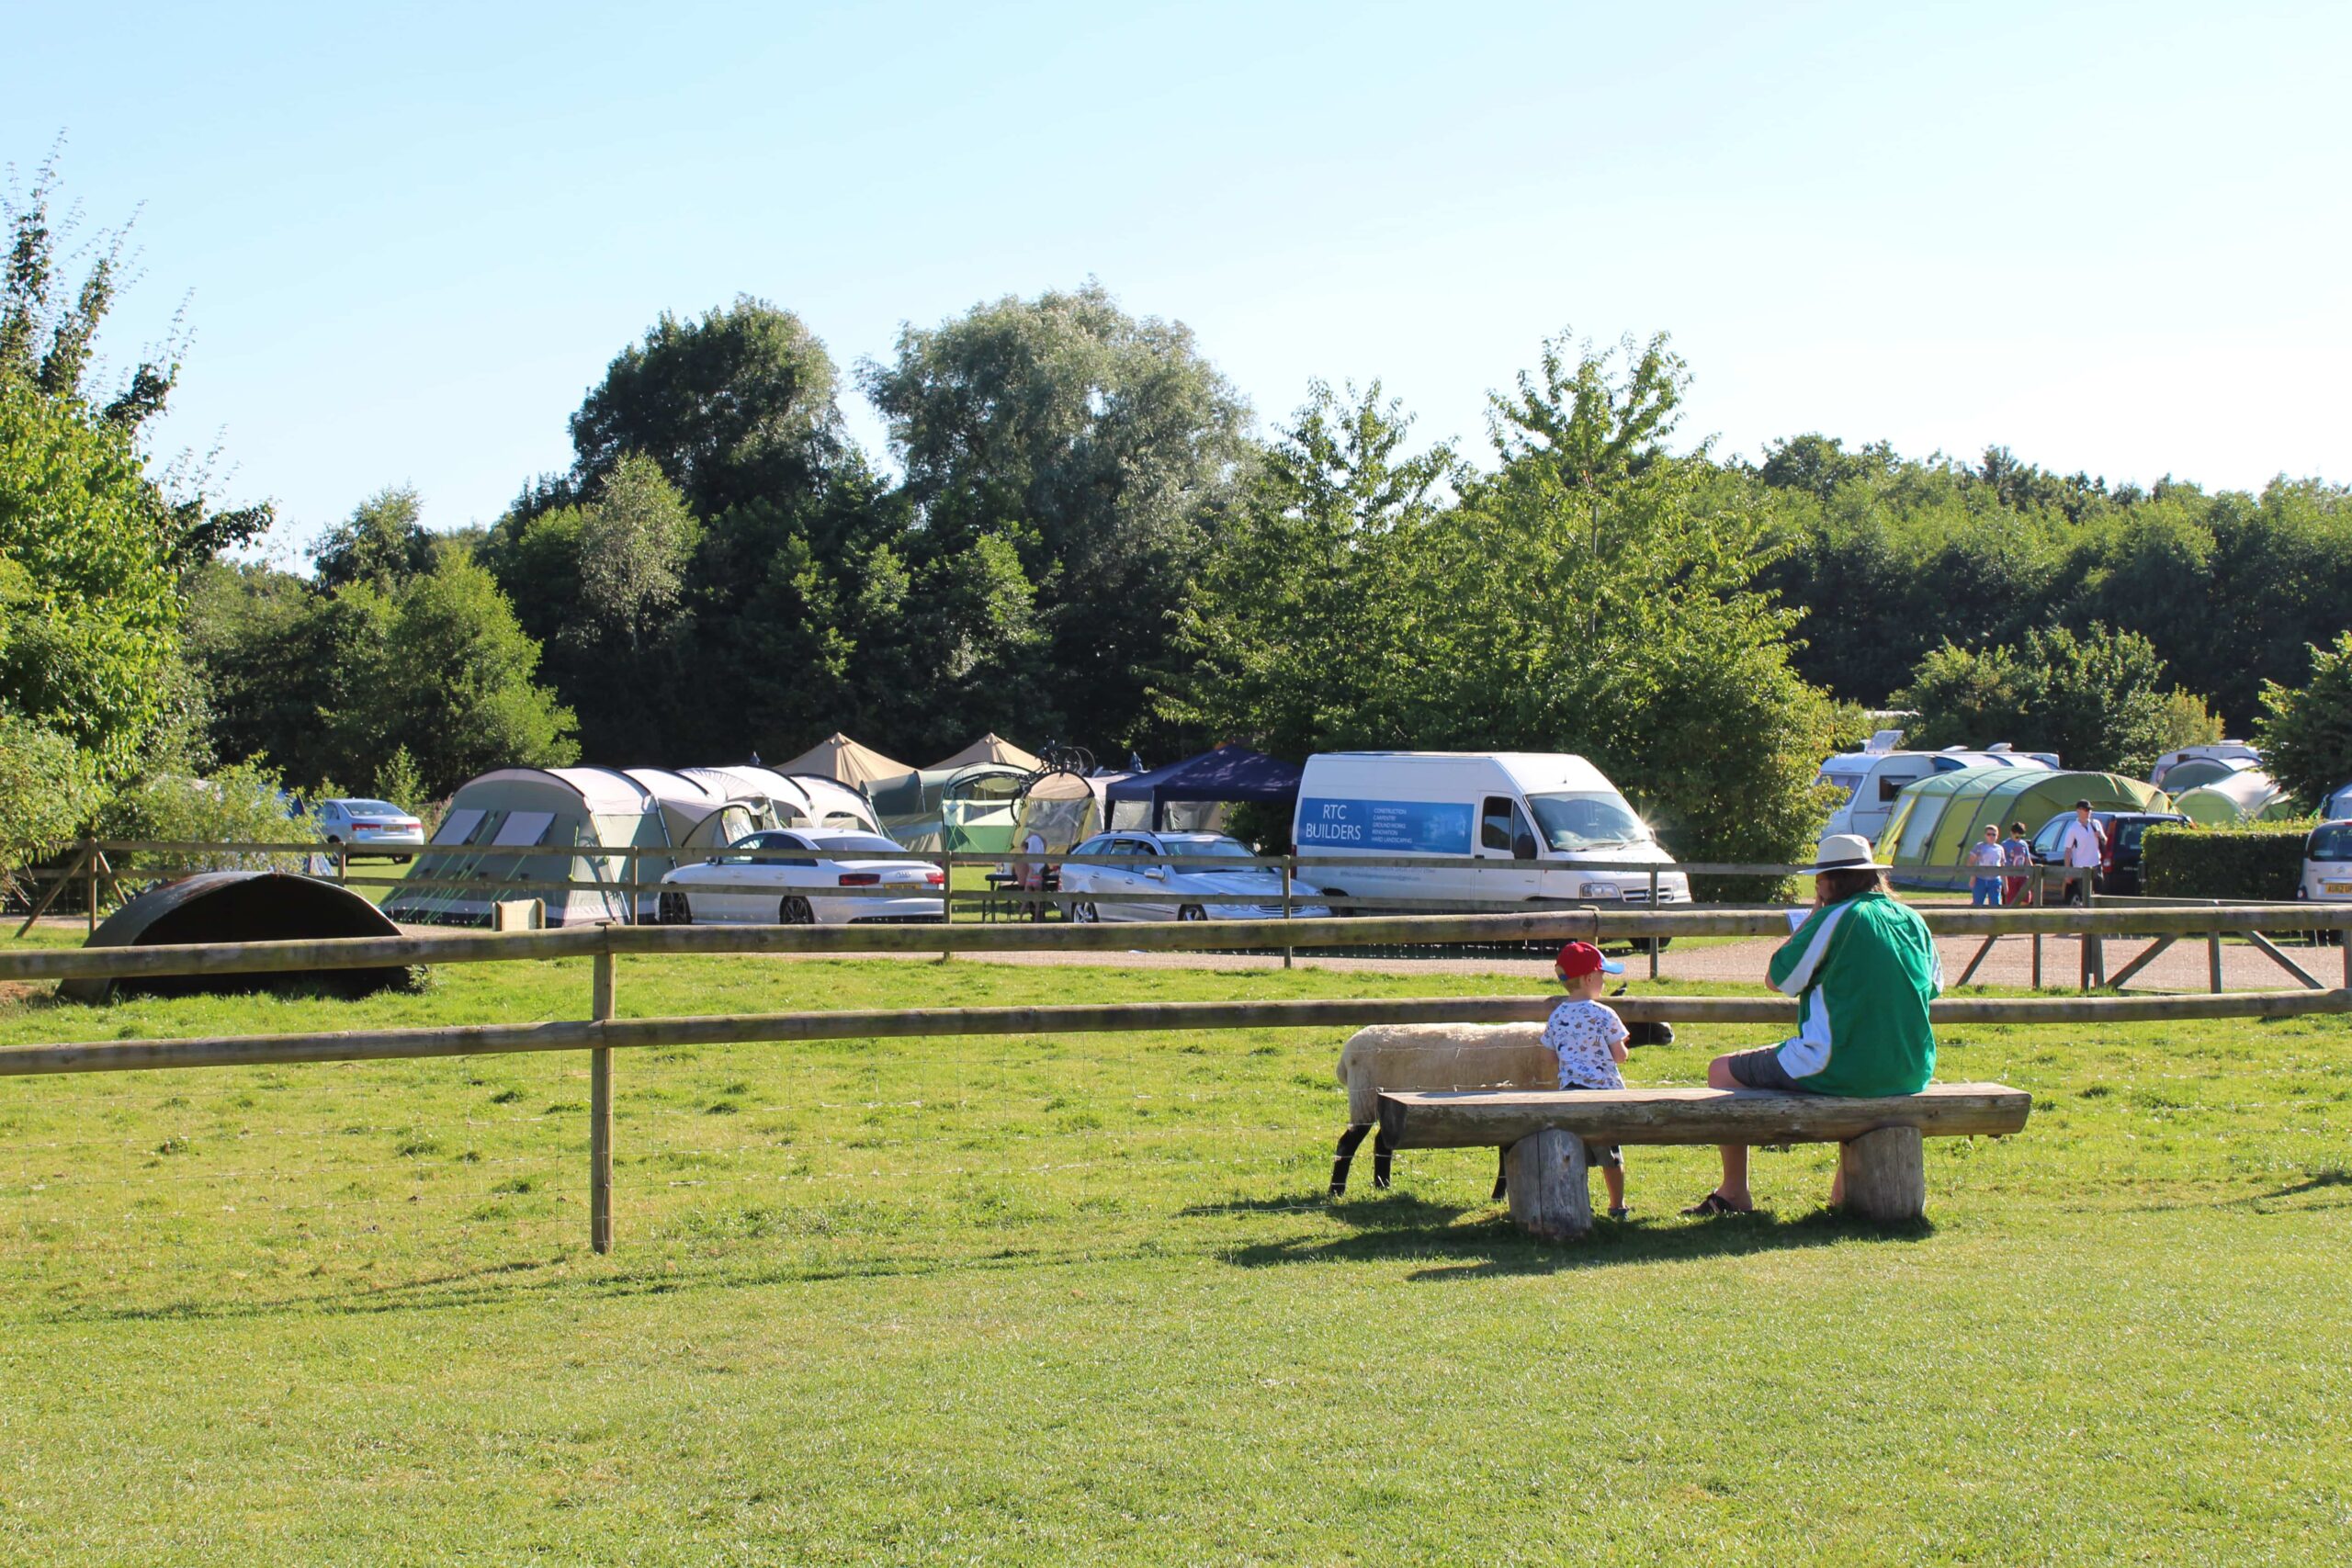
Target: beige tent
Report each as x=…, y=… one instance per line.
x=988, y=748
x=839, y=757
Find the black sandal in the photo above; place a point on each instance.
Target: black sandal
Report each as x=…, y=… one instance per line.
x=1714, y=1203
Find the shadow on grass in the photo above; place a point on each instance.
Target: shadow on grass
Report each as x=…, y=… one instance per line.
x=1400, y=1227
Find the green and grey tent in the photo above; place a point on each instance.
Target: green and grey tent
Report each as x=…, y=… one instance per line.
x=1936, y=829
x=2247, y=795
x=966, y=809
x=509, y=833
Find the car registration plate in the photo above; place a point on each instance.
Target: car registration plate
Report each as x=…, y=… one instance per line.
x=2339, y=887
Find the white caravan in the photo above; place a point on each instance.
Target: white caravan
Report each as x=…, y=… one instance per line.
x=1457, y=806
x=1871, y=781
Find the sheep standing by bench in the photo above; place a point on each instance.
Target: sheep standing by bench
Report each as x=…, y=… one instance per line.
x=1393, y=1056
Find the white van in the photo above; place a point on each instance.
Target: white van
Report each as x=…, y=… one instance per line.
x=1443, y=806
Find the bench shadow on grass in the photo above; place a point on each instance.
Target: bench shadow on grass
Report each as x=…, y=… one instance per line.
x=1455, y=1243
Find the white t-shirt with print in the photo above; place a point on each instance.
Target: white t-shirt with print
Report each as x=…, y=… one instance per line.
x=1580, y=1034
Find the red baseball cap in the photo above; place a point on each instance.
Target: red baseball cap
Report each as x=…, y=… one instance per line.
x=1583, y=958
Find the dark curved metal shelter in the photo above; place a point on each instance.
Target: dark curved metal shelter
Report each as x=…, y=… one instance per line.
x=239, y=905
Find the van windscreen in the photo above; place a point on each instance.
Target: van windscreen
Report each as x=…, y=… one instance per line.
x=1588, y=819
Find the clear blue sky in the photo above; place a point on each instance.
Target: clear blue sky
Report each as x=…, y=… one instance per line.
x=2113, y=237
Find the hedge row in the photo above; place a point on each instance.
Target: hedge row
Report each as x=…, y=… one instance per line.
x=2263, y=863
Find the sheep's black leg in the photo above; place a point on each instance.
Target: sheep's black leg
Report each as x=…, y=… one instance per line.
x=1346, y=1158
x=1383, y=1155
x=1502, y=1174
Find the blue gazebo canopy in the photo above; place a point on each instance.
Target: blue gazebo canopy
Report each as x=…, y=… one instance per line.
x=1228, y=772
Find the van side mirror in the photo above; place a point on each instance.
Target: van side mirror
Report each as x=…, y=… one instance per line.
x=1523, y=847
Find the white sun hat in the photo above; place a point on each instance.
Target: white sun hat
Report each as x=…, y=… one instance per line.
x=1845, y=851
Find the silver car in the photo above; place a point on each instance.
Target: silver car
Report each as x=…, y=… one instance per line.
x=376, y=826
x=799, y=876
x=1176, y=892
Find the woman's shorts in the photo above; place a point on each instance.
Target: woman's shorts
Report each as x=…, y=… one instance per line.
x=1761, y=1068
x=1607, y=1155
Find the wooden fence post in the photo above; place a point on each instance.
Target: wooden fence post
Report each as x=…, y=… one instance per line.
x=1287, y=949
x=92, y=863
x=2041, y=901
x=600, y=1112
x=946, y=898
x=2214, y=960
x=1655, y=942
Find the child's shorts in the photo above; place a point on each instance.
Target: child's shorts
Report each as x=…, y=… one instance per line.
x=1609, y=1156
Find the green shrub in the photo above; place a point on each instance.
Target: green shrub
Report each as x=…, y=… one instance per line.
x=2263, y=863
x=244, y=803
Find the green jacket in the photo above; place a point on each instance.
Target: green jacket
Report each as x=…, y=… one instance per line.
x=1863, y=972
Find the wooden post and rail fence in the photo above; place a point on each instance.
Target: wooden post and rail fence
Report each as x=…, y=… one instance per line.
x=604, y=1032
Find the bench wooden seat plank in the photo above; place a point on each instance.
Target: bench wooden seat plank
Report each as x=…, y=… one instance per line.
x=1481, y=1118
x=1542, y=1134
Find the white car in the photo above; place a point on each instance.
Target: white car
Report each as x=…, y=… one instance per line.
x=794, y=876
x=1180, y=892
x=2328, y=864
x=376, y=826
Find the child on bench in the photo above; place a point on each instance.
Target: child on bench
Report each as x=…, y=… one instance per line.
x=1589, y=1039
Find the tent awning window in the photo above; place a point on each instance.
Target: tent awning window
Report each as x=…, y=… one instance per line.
x=458, y=827
x=523, y=830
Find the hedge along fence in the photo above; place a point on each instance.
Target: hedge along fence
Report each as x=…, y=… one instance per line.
x=2261, y=863
x=603, y=1031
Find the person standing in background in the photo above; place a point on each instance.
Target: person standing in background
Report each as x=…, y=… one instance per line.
x=2081, y=849
x=2016, y=851
x=1984, y=889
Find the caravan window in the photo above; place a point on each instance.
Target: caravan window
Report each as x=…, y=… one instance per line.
x=1588, y=819
x=1891, y=785
x=1844, y=784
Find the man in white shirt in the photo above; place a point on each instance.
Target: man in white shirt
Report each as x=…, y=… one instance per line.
x=2080, y=851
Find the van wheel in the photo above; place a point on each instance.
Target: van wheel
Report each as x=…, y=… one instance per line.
x=673, y=909
x=1085, y=914
x=1191, y=912
x=1329, y=893
x=795, y=911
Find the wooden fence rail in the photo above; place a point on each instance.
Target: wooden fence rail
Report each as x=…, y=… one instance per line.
x=1600, y=924
x=603, y=1032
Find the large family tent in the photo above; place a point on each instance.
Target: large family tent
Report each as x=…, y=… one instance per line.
x=2177, y=771
x=508, y=829
x=1936, y=828
x=2197, y=772
x=1190, y=795
x=959, y=809
x=990, y=748
x=839, y=757
x=1061, y=807
x=2247, y=795
x=1920, y=811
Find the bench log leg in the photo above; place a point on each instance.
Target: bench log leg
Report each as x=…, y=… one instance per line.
x=1885, y=1174
x=1550, y=1195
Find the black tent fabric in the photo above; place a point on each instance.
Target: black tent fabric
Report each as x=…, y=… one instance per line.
x=1227, y=774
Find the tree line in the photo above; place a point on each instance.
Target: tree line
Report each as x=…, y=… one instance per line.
x=1081, y=532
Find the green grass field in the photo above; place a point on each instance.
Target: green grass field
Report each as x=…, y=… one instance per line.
x=1081, y=1300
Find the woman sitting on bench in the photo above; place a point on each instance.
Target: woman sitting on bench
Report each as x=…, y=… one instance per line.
x=1863, y=969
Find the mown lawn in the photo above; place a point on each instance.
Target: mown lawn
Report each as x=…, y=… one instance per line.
x=1081, y=1300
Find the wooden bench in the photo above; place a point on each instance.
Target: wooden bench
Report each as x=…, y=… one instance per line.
x=1544, y=1133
